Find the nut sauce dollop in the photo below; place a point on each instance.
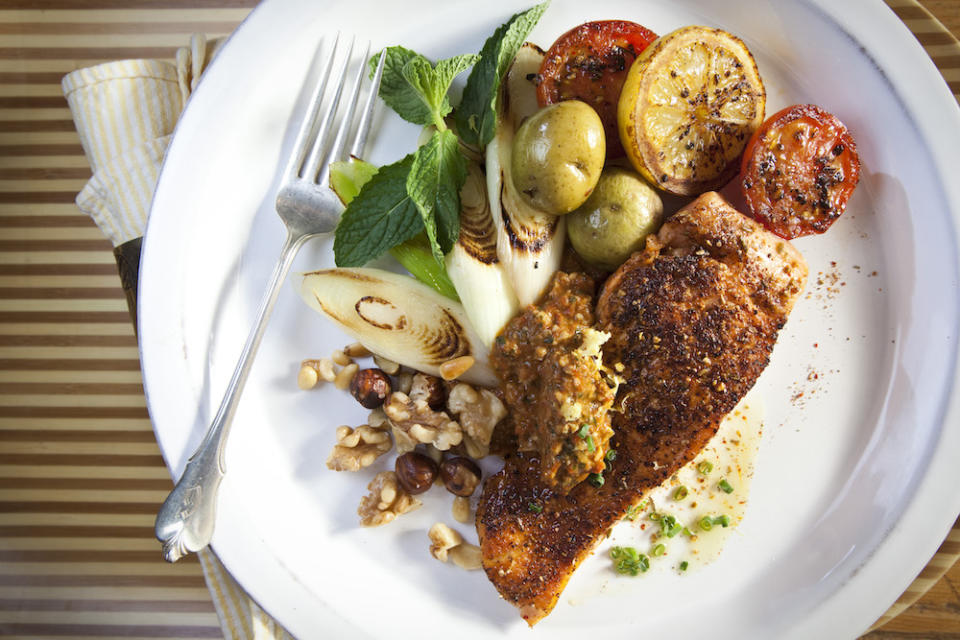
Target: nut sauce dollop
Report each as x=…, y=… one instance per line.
x=549, y=363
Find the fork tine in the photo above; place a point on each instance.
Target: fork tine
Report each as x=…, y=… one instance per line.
x=301, y=144
x=312, y=163
x=345, y=123
x=366, y=117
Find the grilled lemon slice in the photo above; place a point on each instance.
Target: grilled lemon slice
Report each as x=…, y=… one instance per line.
x=688, y=107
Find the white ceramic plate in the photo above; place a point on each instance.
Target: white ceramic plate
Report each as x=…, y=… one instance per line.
x=857, y=479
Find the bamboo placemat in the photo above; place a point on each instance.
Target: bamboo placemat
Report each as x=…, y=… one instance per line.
x=81, y=477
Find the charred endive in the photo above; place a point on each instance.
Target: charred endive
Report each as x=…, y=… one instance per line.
x=399, y=318
x=529, y=241
x=473, y=265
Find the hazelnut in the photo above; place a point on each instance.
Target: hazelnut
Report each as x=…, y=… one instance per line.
x=430, y=389
x=370, y=387
x=415, y=472
x=460, y=475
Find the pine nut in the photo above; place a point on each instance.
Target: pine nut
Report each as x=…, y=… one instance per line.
x=404, y=382
x=377, y=418
x=307, y=377
x=466, y=556
x=340, y=358
x=453, y=369
x=356, y=350
x=433, y=453
x=461, y=509
x=345, y=376
x=325, y=369
x=388, y=366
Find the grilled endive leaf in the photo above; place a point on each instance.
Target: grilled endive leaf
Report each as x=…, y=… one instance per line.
x=399, y=318
x=529, y=241
x=473, y=265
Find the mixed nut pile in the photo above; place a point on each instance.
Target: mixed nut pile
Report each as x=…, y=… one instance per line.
x=439, y=427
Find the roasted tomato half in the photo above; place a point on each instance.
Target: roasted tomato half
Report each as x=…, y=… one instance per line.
x=590, y=63
x=799, y=169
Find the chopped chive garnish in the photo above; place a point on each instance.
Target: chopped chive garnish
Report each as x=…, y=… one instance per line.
x=658, y=550
x=684, y=565
x=595, y=479
x=611, y=455
x=536, y=508
x=681, y=493
x=635, y=510
x=705, y=467
x=725, y=486
x=592, y=447
x=669, y=526
x=706, y=522
x=584, y=431
x=628, y=561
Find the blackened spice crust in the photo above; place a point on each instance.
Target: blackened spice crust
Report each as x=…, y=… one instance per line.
x=693, y=320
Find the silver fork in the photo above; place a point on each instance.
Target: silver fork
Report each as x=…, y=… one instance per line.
x=308, y=207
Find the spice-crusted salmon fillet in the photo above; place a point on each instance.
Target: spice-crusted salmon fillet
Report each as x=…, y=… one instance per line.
x=693, y=319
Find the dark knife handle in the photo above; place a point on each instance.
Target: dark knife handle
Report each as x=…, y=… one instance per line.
x=127, y=256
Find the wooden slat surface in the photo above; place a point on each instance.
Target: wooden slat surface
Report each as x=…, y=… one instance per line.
x=80, y=474
x=81, y=477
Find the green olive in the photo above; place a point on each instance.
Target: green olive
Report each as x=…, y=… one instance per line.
x=616, y=219
x=557, y=156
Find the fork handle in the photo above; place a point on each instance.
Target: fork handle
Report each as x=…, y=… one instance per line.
x=186, y=519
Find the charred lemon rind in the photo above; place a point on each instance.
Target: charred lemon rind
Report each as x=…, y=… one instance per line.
x=689, y=105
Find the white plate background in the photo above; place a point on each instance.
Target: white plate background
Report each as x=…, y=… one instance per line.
x=856, y=481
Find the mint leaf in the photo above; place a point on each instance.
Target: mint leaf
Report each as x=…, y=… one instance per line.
x=414, y=88
x=438, y=172
x=432, y=83
x=397, y=91
x=379, y=218
x=476, y=117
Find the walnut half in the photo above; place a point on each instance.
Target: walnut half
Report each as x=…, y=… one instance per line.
x=478, y=413
x=445, y=543
x=358, y=448
x=442, y=539
x=386, y=501
x=414, y=422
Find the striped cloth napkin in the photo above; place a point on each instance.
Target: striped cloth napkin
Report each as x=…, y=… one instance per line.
x=125, y=112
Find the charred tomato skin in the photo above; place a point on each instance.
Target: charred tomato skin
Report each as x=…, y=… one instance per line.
x=799, y=170
x=590, y=63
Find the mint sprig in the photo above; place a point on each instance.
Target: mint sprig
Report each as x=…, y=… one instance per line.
x=421, y=193
x=415, y=88
x=476, y=117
